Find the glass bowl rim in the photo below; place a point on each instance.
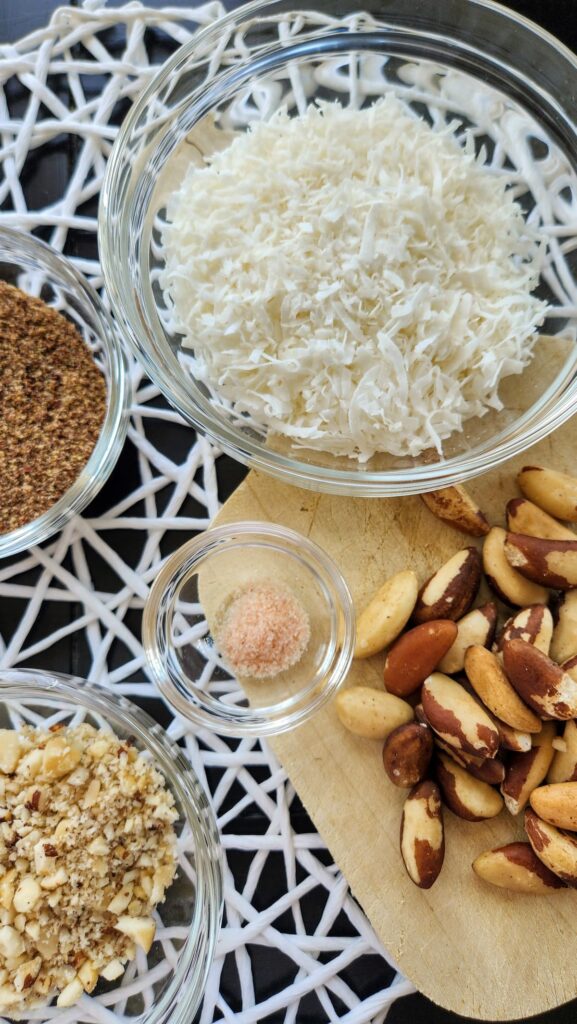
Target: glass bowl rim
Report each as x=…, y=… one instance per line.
x=527, y=429
x=26, y=685
x=15, y=244
x=174, y=572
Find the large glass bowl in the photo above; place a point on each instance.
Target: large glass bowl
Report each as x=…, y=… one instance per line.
x=166, y=986
x=41, y=271
x=471, y=63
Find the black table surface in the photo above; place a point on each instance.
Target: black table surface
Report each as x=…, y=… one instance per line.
x=17, y=18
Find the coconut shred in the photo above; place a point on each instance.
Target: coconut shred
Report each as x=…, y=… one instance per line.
x=356, y=281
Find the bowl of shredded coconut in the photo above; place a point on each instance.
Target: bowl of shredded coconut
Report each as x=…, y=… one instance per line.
x=343, y=246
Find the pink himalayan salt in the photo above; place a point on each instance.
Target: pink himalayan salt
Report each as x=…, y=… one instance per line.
x=264, y=631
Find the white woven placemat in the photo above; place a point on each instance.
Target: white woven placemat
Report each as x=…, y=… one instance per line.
x=51, y=69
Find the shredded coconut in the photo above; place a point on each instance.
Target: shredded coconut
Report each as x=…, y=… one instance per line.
x=354, y=280
x=265, y=630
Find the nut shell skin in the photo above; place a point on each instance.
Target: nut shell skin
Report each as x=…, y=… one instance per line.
x=455, y=506
x=415, y=654
x=517, y=868
x=422, y=834
x=407, y=754
x=557, y=804
x=555, y=849
x=554, y=492
x=540, y=683
x=450, y=592
x=507, y=583
x=464, y=795
x=551, y=563
x=476, y=627
x=457, y=717
x=523, y=516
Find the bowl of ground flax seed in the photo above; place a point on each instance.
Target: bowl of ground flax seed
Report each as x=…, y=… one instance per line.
x=64, y=392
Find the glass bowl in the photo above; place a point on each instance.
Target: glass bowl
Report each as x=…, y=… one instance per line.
x=168, y=984
x=186, y=602
x=41, y=271
x=468, y=63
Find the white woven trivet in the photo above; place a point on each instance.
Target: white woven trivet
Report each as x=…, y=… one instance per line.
x=316, y=958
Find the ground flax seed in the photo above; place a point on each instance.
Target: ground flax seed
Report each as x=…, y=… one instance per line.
x=52, y=406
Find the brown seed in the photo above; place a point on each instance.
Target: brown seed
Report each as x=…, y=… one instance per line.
x=455, y=506
x=407, y=753
x=557, y=804
x=457, y=717
x=464, y=795
x=556, y=849
x=507, y=583
x=422, y=834
x=416, y=654
x=487, y=769
x=526, y=771
x=450, y=592
x=476, y=627
x=540, y=683
x=534, y=625
x=554, y=492
x=489, y=681
x=516, y=867
x=551, y=563
x=525, y=517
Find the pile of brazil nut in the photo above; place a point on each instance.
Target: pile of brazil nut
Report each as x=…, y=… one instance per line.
x=474, y=714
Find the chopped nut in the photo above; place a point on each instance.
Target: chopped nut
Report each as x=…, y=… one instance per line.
x=26, y=895
x=120, y=901
x=30, y=764
x=44, y=853
x=141, y=929
x=88, y=976
x=99, y=846
x=92, y=793
x=47, y=947
x=11, y=942
x=54, y=881
x=9, y=750
x=27, y=974
x=8, y=996
x=60, y=757
x=71, y=994
x=78, y=777
x=98, y=749
x=7, y=887
x=112, y=971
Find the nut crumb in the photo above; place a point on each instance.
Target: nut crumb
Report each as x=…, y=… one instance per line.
x=69, y=868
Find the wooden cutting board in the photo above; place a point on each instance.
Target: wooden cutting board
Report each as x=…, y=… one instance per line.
x=475, y=950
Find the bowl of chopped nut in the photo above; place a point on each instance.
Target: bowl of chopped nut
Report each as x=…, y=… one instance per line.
x=64, y=394
x=110, y=875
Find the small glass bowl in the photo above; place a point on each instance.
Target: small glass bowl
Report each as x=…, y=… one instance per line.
x=168, y=984
x=41, y=271
x=185, y=602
